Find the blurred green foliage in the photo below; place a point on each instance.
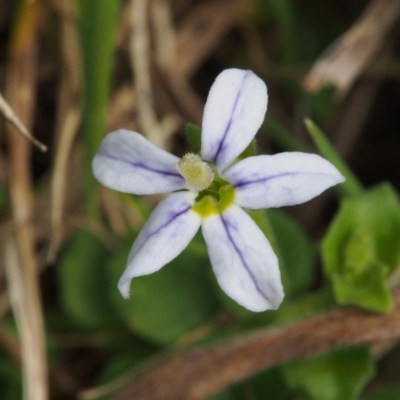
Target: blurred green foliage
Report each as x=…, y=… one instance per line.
x=361, y=249
x=295, y=252
x=82, y=283
x=10, y=379
x=268, y=384
x=164, y=306
x=351, y=186
x=338, y=375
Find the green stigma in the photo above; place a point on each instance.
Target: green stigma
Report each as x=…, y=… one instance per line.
x=197, y=173
x=214, y=202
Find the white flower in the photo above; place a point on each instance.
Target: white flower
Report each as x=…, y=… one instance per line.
x=216, y=189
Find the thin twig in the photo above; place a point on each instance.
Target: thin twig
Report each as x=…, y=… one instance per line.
x=10, y=116
x=207, y=370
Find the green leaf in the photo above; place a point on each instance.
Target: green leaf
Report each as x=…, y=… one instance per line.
x=290, y=244
x=133, y=353
x=361, y=249
x=81, y=279
x=169, y=303
x=295, y=252
x=249, y=151
x=352, y=186
x=338, y=375
x=303, y=307
x=193, y=137
x=267, y=384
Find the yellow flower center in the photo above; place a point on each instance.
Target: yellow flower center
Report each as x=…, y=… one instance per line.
x=197, y=173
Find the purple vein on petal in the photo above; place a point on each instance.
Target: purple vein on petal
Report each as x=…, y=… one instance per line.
x=165, y=224
x=267, y=178
x=143, y=166
x=262, y=180
x=224, y=136
x=243, y=261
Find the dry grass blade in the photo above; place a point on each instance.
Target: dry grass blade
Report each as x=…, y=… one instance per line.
x=140, y=58
x=20, y=89
x=58, y=182
x=40, y=218
x=349, y=57
x=122, y=109
x=207, y=370
x=167, y=62
x=68, y=121
x=113, y=208
x=26, y=323
x=10, y=116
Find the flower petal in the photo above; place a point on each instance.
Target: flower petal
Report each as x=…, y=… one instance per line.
x=243, y=261
x=168, y=231
x=129, y=163
x=283, y=179
x=234, y=111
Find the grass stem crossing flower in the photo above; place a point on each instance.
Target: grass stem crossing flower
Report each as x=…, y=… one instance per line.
x=211, y=189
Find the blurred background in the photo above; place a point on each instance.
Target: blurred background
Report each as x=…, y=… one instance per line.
x=73, y=70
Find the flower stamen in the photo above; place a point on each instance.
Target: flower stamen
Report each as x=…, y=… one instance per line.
x=197, y=173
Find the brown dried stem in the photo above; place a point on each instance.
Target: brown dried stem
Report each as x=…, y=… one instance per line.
x=68, y=120
x=201, y=32
x=21, y=257
x=204, y=371
x=166, y=59
x=140, y=58
x=353, y=52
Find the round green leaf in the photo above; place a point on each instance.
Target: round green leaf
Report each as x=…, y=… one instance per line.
x=362, y=249
x=169, y=303
x=81, y=279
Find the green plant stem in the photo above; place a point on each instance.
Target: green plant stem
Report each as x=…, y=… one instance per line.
x=97, y=25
